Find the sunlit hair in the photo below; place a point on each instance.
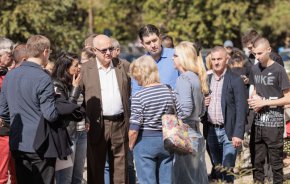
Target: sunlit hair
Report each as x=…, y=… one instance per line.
x=115, y=43
x=36, y=45
x=19, y=53
x=261, y=41
x=144, y=70
x=219, y=49
x=189, y=61
x=208, y=61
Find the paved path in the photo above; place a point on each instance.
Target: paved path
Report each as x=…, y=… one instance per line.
x=244, y=180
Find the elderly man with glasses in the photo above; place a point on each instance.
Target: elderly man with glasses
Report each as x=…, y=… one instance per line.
x=106, y=87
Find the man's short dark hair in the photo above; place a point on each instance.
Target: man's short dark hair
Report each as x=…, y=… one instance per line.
x=148, y=30
x=250, y=37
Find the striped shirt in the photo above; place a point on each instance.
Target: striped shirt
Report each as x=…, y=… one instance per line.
x=148, y=106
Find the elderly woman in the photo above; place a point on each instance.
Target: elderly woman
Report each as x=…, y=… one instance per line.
x=153, y=162
x=191, y=86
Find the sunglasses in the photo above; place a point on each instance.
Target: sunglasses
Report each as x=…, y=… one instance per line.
x=104, y=51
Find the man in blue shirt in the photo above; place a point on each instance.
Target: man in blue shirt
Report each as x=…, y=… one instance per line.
x=27, y=95
x=151, y=40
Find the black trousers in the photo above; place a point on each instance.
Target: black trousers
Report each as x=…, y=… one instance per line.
x=32, y=169
x=268, y=140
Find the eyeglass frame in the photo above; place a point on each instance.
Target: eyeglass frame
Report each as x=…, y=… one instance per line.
x=104, y=51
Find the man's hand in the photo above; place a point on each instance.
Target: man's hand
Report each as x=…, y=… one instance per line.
x=256, y=103
x=237, y=142
x=207, y=100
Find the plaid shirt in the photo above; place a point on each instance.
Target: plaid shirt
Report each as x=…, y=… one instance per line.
x=215, y=115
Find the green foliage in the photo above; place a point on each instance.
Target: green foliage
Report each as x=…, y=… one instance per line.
x=212, y=21
x=61, y=21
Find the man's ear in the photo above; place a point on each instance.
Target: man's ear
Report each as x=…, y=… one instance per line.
x=118, y=50
x=45, y=52
x=269, y=50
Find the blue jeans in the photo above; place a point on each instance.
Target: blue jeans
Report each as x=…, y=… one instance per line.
x=74, y=174
x=222, y=151
x=153, y=163
x=131, y=169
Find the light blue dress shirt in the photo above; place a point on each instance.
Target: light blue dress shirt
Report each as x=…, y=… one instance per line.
x=168, y=74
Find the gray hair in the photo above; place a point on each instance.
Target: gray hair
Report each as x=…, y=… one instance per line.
x=115, y=43
x=6, y=45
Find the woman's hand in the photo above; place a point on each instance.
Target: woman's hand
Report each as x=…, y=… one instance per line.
x=76, y=80
x=133, y=134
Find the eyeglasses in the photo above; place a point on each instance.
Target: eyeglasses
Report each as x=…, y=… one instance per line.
x=104, y=51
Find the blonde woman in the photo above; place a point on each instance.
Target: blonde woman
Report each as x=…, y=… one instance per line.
x=191, y=86
x=153, y=162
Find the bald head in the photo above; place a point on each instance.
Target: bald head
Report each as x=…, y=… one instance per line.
x=261, y=41
x=262, y=50
x=103, y=49
x=101, y=40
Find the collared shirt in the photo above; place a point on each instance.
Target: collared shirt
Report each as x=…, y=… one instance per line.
x=111, y=96
x=215, y=114
x=27, y=94
x=168, y=74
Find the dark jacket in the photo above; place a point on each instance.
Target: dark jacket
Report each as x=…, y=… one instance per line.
x=234, y=107
x=71, y=94
x=52, y=139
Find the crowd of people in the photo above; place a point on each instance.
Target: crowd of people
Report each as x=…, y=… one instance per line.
x=97, y=106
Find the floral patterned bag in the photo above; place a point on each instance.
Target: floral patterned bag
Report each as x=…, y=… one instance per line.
x=175, y=133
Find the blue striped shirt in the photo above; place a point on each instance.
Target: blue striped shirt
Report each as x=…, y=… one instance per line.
x=148, y=106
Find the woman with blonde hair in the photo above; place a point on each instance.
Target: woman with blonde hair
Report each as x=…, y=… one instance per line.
x=191, y=86
x=153, y=162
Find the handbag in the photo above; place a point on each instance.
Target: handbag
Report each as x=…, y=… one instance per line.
x=175, y=133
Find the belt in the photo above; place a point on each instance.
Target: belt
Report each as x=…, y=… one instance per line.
x=216, y=125
x=117, y=117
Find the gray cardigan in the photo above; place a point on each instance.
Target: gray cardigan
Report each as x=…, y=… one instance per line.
x=190, y=97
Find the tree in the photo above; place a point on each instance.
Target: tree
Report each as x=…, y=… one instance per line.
x=61, y=21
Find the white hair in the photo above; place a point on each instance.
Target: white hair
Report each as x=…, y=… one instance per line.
x=6, y=45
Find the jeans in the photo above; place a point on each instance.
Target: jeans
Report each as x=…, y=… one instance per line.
x=74, y=174
x=131, y=169
x=222, y=152
x=153, y=163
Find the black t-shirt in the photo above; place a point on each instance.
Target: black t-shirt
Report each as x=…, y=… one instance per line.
x=270, y=82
